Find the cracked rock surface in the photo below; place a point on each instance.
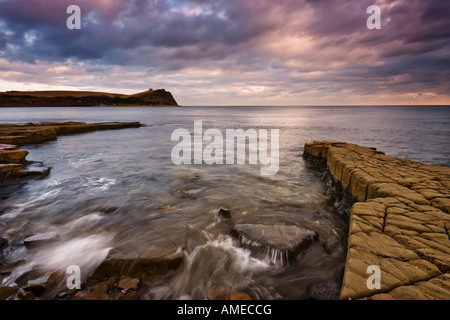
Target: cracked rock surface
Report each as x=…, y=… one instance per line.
x=401, y=222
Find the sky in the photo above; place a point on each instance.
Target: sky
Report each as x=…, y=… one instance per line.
x=232, y=52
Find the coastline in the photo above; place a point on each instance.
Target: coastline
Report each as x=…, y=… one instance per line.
x=158, y=97
x=399, y=218
x=400, y=222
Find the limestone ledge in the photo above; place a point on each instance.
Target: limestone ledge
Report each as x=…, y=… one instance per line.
x=401, y=222
x=12, y=159
x=22, y=134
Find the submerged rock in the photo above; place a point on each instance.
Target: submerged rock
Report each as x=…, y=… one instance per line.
x=41, y=238
x=128, y=283
x=98, y=292
x=324, y=291
x=279, y=243
x=224, y=214
x=3, y=243
x=7, y=292
x=137, y=261
x=26, y=295
x=40, y=284
x=226, y=293
x=6, y=269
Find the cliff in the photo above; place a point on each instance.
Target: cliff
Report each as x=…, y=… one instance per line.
x=400, y=222
x=151, y=97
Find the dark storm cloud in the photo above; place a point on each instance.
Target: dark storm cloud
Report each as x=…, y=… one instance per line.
x=123, y=25
x=292, y=44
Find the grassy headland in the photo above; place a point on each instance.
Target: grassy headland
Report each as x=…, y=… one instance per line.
x=151, y=97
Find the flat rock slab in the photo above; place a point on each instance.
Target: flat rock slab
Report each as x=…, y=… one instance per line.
x=137, y=259
x=12, y=159
x=22, y=134
x=13, y=156
x=280, y=241
x=7, y=169
x=400, y=223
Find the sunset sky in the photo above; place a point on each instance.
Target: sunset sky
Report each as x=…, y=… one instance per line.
x=232, y=52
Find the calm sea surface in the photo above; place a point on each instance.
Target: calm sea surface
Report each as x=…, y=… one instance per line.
x=150, y=202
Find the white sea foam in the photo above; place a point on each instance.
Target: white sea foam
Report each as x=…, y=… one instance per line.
x=20, y=207
x=87, y=253
x=218, y=262
x=100, y=184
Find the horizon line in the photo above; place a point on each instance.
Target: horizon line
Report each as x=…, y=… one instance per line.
x=324, y=105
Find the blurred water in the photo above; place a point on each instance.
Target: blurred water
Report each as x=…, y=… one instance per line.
x=129, y=174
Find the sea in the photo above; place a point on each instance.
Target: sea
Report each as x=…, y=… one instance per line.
x=120, y=189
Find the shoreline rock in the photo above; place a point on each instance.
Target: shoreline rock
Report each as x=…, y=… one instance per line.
x=400, y=223
x=280, y=243
x=13, y=163
x=34, y=133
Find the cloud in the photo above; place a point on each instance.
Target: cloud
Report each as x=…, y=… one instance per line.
x=292, y=51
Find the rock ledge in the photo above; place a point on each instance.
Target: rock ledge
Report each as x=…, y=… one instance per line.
x=401, y=222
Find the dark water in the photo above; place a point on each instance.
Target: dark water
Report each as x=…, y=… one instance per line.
x=155, y=202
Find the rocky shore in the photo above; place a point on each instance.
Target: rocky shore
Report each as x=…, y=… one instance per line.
x=399, y=223
x=13, y=163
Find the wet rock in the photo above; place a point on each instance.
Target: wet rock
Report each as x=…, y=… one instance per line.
x=145, y=296
x=26, y=295
x=13, y=156
x=108, y=210
x=42, y=284
x=224, y=214
x=18, y=134
x=194, y=238
x=98, y=292
x=432, y=289
x=226, y=293
x=219, y=293
x=38, y=286
x=35, y=169
x=7, y=268
x=66, y=294
x=41, y=238
x=240, y=296
x=7, y=292
x=404, y=209
x=12, y=159
x=324, y=291
x=3, y=243
x=24, y=277
x=10, y=169
x=278, y=242
x=125, y=290
x=128, y=283
x=135, y=260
